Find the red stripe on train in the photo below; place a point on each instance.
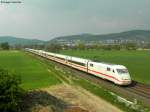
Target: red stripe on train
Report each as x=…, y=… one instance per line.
x=99, y=73
x=95, y=71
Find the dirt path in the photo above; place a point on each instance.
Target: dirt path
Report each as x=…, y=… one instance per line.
x=80, y=99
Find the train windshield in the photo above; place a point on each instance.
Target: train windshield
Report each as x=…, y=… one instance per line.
x=122, y=71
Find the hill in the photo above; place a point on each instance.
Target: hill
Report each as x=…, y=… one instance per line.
x=19, y=41
x=135, y=35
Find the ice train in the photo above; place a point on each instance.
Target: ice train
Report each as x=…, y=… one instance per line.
x=118, y=74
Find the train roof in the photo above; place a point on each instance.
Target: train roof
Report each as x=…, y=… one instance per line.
x=106, y=64
x=61, y=56
x=82, y=60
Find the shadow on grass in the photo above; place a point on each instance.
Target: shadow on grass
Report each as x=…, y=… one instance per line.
x=35, y=99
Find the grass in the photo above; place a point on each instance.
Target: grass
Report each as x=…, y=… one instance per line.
x=33, y=72
x=68, y=77
x=37, y=72
x=65, y=75
x=137, y=62
x=106, y=95
x=72, y=79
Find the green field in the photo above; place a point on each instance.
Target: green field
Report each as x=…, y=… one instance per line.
x=33, y=72
x=138, y=62
x=37, y=72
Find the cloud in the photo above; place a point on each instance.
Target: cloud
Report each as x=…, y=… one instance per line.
x=49, y=18
x=2, y=8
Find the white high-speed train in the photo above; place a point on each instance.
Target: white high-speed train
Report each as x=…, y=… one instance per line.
x=116, y=73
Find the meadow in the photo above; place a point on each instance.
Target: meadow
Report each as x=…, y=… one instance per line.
x=37, y=72
x=33, y=72
x=137, y=62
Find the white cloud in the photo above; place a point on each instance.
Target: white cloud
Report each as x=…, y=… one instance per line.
x=42, y=19
x=2, y=8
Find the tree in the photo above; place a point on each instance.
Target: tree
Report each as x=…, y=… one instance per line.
x=107, y=47
x=5, y=46
x=10, y=92
x=147, y=46
x=80, y=46
x=116, y=47
x=18, y=47
x=131, y=46
x=53, y=48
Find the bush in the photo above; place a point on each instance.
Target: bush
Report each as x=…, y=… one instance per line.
x=10, y=92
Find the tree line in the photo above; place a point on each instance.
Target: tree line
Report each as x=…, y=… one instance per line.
x=82, y=46
x=4, y=46
x=56, y=47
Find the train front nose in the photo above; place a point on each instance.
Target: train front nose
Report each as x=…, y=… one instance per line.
x=126, y=79
x=125, y=76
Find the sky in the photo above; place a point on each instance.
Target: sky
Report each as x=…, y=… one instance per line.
x=46, y=19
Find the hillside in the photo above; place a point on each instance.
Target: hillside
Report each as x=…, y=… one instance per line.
x=136, y=35
x=19, y=41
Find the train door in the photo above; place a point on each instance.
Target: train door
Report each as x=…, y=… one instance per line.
x=68, y=59
x=110, y=72
x=90, y=67
x=87, y=65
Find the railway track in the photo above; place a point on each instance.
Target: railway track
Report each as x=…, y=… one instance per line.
x=136, y=91
x=141, y=89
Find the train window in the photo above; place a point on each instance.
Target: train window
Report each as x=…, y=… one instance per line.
x=108, y=69
x=91, y=65
x=82, y=64
x=122, y=71
x=60, y=58
x=114, y=71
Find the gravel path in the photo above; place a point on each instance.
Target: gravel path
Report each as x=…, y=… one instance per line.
x=78, y=97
